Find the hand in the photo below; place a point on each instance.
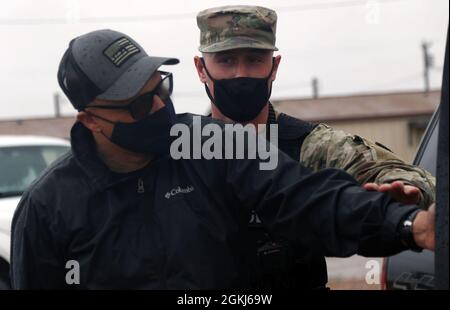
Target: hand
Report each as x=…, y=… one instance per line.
x=423, y=228
x=405, y=194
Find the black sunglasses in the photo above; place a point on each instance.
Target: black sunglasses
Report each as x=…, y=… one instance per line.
x=141, y=106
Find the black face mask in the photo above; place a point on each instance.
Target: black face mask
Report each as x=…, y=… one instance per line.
x=150, y=135
x=241, y=99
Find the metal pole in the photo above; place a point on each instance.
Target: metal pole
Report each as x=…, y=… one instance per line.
x=426, y=66
x=56, y=102
x=315, y=88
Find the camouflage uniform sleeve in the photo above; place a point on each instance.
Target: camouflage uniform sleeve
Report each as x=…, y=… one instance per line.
x=366, y=161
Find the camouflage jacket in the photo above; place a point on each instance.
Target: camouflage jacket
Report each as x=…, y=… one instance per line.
x=366, y=161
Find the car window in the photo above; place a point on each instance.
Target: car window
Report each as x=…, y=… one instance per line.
x=19, y=166
x=426, y=156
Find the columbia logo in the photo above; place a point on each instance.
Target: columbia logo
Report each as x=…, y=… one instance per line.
x=178, y=190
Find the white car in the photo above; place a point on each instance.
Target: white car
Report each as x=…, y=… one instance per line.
x=22, y=159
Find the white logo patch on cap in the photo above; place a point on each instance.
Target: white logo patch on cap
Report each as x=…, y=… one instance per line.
x=120, y=51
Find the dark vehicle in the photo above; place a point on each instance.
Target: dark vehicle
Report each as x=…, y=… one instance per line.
x=411, y=270
x=426, y=270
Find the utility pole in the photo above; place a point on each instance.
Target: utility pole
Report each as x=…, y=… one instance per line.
x=315, y=87
x=427, y=65
x=57, y=105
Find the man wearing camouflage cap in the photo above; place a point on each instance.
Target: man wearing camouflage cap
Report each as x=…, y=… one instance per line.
x=238, y=68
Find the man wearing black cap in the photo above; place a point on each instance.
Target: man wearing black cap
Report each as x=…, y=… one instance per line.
x=119, y=212
x=127, y=76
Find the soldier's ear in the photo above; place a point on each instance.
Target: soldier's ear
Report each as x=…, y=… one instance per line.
x=276, y=63
x=200, y=69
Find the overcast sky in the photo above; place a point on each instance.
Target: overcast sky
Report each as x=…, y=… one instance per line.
x=351, y=46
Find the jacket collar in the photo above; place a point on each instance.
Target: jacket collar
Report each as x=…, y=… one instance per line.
x=84, y=150
x=272, y=117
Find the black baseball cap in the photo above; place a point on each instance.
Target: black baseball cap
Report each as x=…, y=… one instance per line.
x=105, y=64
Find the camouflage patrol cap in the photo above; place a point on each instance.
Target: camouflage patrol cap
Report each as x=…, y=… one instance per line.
x=238, y=26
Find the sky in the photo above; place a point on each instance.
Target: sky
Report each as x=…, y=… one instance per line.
x=351, y=46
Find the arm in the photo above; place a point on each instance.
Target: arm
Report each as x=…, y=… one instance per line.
x=327, y=210
x=35, y=261
x=366, y=161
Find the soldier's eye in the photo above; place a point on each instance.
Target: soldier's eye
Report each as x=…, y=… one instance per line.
x=227, y=60
x=255, y=60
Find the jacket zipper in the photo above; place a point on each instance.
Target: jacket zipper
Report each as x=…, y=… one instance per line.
x=140, y=187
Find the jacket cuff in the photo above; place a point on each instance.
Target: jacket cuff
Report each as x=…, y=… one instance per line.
x=396, y=214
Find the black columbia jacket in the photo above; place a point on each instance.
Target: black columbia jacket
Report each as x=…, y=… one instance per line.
x=182, y=224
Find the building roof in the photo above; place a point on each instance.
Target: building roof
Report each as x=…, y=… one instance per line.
x=359, y=107
x=356, y=107
x=54, y=127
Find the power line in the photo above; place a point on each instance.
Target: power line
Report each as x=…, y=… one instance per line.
x=331, y=5
x=412, y=77
x=181, y=16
